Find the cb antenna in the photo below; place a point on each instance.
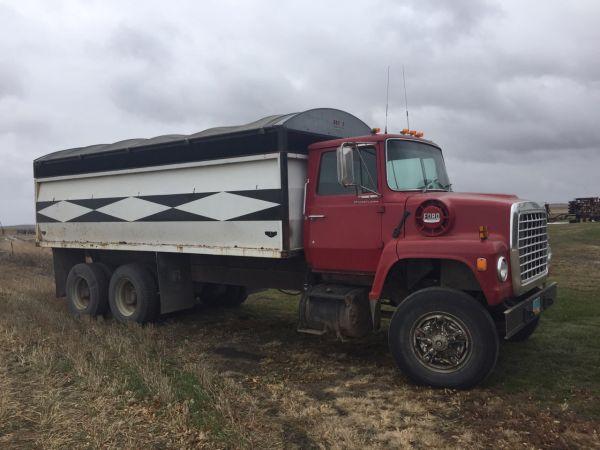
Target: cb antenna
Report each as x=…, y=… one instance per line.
x=405, y=98
x=387, y=98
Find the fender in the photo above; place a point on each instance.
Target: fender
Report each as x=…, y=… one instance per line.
x=463, y=251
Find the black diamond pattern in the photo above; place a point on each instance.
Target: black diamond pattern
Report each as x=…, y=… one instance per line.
x=172, y=214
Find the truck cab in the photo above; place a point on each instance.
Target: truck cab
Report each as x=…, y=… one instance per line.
x=380, y=208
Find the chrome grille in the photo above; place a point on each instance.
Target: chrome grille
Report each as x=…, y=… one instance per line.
x=532, y=245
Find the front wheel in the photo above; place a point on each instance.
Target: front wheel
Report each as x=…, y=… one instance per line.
x=443, y=338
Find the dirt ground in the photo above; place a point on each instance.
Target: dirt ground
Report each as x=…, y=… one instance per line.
x=245, y=378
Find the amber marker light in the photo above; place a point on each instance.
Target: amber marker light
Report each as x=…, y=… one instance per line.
x=419, y=134
x=405, y=131
x=375, y=130
x=483, y=232
x=481, y=264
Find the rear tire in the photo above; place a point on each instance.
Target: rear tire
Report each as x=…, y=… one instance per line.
x=133, y=294
x=443, y=338
x=87, y=290
x=223, y=295
x=108, y=270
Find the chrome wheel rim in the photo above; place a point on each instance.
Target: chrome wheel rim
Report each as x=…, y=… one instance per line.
x=126, y=297
x=441, y=342
x=81, y=294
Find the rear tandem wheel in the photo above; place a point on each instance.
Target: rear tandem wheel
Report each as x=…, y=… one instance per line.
x=87, y=290
x=133, y=294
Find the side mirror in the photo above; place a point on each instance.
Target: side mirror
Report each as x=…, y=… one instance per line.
x=345, y=165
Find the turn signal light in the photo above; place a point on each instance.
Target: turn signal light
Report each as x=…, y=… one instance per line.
x=483, y=232
x=481, y=264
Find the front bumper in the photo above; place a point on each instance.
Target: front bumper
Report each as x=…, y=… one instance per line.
x=518, y=316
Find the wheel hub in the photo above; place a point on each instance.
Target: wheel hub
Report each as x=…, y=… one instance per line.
x=441, y=342
x=81, y=294
x=126, y=298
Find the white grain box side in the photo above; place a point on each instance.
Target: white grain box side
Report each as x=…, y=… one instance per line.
x=228, y=206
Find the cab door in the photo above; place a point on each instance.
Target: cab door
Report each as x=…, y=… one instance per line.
x=343, y=224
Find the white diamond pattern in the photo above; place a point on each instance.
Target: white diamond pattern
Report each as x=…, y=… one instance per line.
x=225, y=206
x=64, y=211
x=132, y=209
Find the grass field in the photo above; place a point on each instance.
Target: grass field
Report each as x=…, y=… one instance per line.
x=245, y=378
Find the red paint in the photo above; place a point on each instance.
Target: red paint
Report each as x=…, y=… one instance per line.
x=348, y=237
x=355, y=236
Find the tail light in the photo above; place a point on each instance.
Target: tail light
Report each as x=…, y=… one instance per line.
x=432, y=218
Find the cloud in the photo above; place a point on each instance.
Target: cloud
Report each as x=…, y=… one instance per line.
x=10, y=84
x=508, y=88
x=145, y=45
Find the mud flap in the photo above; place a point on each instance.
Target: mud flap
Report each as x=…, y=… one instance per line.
x=174, y=282
x=375, y=313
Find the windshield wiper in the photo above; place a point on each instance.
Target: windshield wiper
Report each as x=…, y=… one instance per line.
x=428, y=185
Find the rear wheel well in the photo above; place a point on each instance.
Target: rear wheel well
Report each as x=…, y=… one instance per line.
x=410, y=275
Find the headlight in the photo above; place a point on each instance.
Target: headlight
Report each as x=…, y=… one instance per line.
x=502, y=269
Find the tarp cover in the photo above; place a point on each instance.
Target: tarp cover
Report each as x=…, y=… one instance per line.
x=322, y=121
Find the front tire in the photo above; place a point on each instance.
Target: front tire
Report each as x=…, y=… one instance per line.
x=443, y=338
x=87, y=290
x=133, y=294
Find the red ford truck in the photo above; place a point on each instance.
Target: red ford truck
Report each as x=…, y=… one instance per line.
x=315, y=201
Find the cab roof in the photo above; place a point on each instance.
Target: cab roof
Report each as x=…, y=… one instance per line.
x=370, y=138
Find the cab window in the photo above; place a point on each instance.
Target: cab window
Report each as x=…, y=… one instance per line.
x=365, y=171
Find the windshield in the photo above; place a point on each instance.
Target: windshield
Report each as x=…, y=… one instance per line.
x=414, y=165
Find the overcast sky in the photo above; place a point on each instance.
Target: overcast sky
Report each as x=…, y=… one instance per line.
x=510, y=89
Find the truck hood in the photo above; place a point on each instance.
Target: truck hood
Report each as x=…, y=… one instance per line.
x=467, y=211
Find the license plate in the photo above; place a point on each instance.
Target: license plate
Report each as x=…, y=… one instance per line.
x=536, y=305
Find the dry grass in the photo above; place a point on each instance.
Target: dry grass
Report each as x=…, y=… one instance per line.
x=559, y=208
x=230, y=379
x=22, y=252
x=69, y=382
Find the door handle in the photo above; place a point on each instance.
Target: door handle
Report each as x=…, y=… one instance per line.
x=316, y=216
